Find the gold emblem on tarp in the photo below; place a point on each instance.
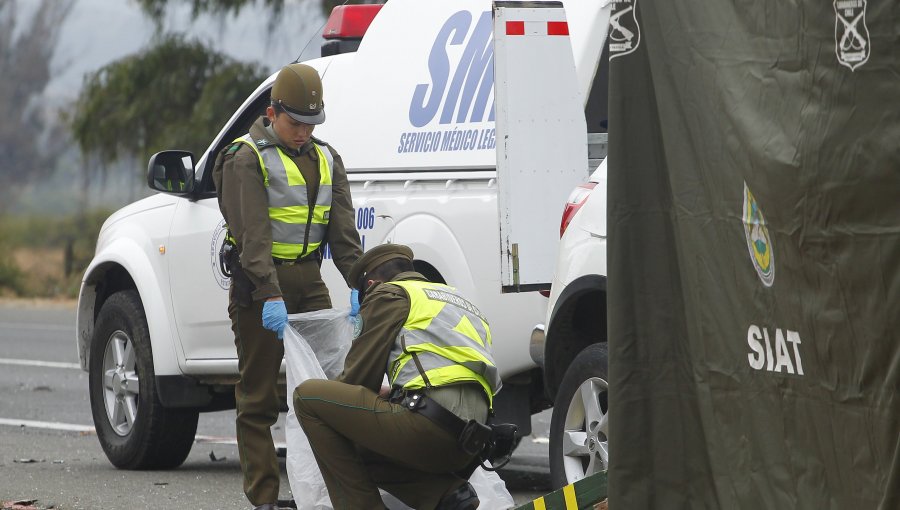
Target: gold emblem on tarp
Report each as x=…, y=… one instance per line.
x=851, y=35
x=758, y=241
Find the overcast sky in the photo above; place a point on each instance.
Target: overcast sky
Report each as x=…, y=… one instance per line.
x=97, y=32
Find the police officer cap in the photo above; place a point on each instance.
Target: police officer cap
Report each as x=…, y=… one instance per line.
x=378, y=256
x=298, y=90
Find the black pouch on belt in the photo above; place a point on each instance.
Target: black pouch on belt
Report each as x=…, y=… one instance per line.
x=471, y=436
x=474, y=437
x=501, y=443
x=241, y=286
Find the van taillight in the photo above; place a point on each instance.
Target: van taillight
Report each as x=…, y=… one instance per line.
x=350, y=21
x=576, y=199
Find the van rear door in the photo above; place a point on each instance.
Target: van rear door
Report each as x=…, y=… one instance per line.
x=541, y=137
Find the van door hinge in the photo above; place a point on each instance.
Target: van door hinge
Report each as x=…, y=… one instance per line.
x=515, y=263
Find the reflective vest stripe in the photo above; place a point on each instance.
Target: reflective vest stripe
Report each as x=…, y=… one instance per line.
x=469, y=357
x=468, y=363
x=448, y=335
x=282, y=230
x=291, y=172
x=294, y=231
x=452, y=374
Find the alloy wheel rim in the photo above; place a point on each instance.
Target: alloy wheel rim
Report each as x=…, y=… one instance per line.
x=585, y=443
x=121, y=388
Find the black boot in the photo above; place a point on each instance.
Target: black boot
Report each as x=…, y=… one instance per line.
x=463, y=498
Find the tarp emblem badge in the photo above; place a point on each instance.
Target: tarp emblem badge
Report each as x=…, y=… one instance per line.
x=758, y=241
x=851, y=35
x=624, y=32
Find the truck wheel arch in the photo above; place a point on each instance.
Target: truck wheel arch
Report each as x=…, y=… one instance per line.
x=114, y=271
x=439, y=254
x=428, y=271
x=574, y=324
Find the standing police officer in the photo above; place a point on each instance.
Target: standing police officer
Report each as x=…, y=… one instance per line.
x=435, y=347
x=284, y=194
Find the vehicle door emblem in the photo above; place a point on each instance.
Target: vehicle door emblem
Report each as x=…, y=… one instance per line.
x=215, y=250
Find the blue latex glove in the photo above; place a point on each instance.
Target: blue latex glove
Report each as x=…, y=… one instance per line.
x=354, y=303
x=274, y=317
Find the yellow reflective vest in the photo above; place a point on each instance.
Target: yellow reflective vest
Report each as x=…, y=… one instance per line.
x=445, y=340
x=289, y=201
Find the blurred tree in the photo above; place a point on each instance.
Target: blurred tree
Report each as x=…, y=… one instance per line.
x=175, y=95
x=157, y=8
x=28, y=151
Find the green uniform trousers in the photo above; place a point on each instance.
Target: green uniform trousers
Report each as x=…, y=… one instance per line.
x=257, y=394
x=362, y=442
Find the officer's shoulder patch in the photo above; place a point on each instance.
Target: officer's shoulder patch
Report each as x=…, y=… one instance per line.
x=262, y=142
x=357, y=325
x=234, y=148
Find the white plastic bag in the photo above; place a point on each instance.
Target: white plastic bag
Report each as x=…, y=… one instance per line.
x=491, y=490
x=328, y=333
x=325, y=340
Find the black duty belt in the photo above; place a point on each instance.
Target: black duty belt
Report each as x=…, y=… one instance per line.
x=471, y=436
x=291, y=262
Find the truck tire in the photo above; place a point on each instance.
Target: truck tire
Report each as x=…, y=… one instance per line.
x=579, y=425
x=134, y=429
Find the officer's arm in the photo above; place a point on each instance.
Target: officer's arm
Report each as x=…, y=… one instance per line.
x=343, y=238
x=383, y=313
x=244, y=203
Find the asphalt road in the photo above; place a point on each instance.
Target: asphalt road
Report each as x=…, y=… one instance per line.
x=49, y=452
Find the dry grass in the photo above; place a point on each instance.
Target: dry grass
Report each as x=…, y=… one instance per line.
x=37, y=249
x=42, y=273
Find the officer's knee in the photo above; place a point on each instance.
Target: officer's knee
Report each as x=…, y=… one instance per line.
x=303, y=394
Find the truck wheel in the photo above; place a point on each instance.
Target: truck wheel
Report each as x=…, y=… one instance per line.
x=579, y=425
x=135, y=430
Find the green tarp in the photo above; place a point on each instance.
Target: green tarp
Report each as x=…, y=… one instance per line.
x=754, y=254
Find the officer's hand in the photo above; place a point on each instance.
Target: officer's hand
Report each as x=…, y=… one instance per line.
x=274, y=317
x=354, y=303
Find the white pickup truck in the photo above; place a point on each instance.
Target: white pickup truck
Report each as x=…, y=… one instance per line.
x=412, y=113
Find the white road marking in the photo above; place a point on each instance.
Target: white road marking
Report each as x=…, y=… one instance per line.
x=47, y=425
x=72, y=427
x=39, y=327
x=36, y=363
x=227, y=440
x=215, y=439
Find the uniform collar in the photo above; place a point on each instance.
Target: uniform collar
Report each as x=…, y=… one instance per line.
x=264, y=136
x=409, y=275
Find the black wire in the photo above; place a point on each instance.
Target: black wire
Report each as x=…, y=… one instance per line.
x=319, y=31
x=495, y=467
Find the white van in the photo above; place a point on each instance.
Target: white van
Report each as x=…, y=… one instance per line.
x=411, y=113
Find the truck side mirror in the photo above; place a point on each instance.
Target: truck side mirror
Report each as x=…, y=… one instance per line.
x=171, y=172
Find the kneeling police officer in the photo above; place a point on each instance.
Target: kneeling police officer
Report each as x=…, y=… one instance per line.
x=420, y=438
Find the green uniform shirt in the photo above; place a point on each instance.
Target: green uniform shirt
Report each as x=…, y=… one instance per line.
x=384, y=310
x=244, y=204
